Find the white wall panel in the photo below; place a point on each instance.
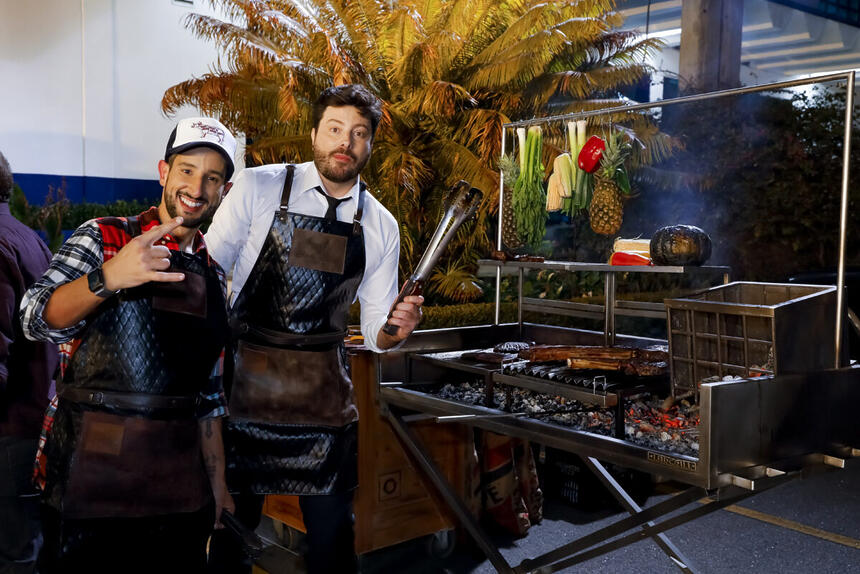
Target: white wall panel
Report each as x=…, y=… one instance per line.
x=133, y=51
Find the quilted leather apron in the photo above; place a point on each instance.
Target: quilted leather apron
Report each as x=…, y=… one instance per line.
x=293, y=419
x=125, y=441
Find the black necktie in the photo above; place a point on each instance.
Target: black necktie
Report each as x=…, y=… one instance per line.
x=333, y=202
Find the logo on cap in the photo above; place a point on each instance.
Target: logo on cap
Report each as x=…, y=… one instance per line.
x=206, y=129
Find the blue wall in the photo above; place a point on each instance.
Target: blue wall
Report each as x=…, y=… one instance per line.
x=87, y=188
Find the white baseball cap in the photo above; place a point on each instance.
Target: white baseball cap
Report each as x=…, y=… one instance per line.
x=202, y=132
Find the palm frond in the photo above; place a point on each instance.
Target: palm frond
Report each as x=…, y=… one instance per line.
x=439, y=99
x=457, y=162
x=455, y=283
x=449, y=73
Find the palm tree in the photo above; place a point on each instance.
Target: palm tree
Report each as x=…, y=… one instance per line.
x=450, y=73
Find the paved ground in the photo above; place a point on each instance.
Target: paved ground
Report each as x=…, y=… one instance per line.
x=810, y=525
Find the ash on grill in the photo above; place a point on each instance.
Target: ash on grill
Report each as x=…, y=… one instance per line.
x=547, y=408
x=468, y=393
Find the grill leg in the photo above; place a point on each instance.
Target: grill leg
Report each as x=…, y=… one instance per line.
x=647, y=531
x=556, y=560
x=660, y=509
x=438, y=481
x=630, y=506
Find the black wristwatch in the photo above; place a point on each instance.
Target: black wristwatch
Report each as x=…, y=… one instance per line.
x=96, y=281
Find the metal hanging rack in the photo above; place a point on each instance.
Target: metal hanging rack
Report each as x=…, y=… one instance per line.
x=848, y=77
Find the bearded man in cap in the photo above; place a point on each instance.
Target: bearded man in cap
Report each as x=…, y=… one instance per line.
x=132, y=461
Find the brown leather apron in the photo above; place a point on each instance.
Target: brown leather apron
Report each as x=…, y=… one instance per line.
x=292, y=411
x=125, y=441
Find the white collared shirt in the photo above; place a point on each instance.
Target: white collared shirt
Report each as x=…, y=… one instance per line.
x=243, y=220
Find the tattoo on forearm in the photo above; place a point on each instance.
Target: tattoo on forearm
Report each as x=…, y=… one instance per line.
x=208, y=428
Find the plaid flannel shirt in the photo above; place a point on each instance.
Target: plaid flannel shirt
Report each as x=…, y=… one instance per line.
x=88, y=248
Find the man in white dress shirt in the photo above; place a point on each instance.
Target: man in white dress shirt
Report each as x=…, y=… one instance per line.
x=303, y=241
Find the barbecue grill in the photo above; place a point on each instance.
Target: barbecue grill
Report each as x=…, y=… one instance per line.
x=745, y=425
x=759, y=424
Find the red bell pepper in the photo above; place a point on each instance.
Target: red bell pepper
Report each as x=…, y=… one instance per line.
x=590, y=154
x=629, y=258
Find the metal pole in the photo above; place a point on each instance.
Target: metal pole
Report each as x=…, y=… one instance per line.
x=685, y=99
x=498, y=315
x=520, y=301
x=843, y=215
x=609, y=309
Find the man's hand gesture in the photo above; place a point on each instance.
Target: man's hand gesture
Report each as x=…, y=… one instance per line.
x=141, y=260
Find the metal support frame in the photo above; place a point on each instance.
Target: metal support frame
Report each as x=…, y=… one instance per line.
x=430, y=472
x=609, y=305
x=627, y=502
x=595, y=543
x=848, y=77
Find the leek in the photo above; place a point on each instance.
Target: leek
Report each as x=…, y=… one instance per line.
x=580, y=197
x=521, y=136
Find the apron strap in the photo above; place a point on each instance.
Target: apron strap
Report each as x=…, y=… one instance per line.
x=133, y=225
x=288, y=187
x=123, y=400
x=356, y=220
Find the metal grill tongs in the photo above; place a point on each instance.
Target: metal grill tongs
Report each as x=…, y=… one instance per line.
x=463, y=200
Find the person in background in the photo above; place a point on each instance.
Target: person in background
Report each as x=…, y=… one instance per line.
x=133, y=461
x=26, y=386
x=306, y=241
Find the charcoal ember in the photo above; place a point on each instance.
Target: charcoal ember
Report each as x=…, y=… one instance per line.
x=646, y=422
x=673, y=430
x=512, y=346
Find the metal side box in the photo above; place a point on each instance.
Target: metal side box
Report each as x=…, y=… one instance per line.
x=747, y=329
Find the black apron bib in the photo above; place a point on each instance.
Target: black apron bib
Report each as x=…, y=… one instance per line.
x=293, y=419
x=125, y=441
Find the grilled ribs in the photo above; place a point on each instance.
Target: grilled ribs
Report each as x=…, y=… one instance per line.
x=563, y=352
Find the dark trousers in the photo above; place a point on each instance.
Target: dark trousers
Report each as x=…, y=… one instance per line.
x=20, y=536
x=170, y=543
x=330, y=535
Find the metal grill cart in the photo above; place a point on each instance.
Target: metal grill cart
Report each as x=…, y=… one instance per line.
x=754, y=432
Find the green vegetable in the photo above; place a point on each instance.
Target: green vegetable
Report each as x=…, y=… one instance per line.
x=529, y=197
x=563, y=166
x=576, y=134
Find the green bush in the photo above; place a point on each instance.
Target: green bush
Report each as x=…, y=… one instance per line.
x=58, y=214
x=79, y=213
x=47, y=218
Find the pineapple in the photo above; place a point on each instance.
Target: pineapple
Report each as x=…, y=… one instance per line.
x=511, y=169
x=510, y=237
x=606, y=210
